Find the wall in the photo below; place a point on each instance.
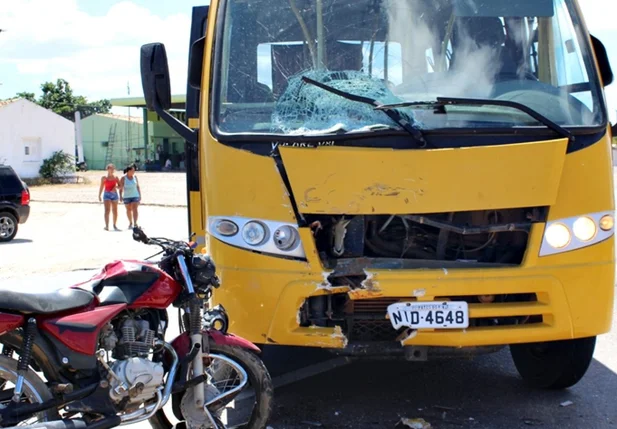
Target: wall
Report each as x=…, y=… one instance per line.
x=22, y=124
x=129, y=134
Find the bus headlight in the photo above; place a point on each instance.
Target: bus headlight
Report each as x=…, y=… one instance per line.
x=258, y=235
x=557, y=235
x=564, y=235
x=584, y=228
x=254, y=233
x=286, y=237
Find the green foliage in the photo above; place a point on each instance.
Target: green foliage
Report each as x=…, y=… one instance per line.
x=59, y=98
x=30, y=96
x=58, y=165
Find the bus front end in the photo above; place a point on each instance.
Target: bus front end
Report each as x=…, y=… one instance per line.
x=410, y=178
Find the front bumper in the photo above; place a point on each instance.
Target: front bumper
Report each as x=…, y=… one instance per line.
x=573, y=298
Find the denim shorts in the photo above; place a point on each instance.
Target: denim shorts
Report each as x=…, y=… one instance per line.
x=110, y=196
x=131, y=200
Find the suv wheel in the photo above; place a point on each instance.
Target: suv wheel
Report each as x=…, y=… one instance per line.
x=8, y=227
x=553, y=365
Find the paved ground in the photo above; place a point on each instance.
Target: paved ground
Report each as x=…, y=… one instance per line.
x=484, y=393
x=159, y=189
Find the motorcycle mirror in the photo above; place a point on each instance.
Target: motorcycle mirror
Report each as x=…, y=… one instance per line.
x=139, y=235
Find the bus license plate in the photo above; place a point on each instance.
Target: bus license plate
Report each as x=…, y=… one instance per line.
x=432, y=315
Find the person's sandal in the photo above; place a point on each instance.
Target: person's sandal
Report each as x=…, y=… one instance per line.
x=116, y=228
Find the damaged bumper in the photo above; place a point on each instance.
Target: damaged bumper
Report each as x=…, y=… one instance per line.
x=545, y=314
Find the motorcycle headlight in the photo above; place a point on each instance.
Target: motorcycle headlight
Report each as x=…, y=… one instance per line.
x=203, y=269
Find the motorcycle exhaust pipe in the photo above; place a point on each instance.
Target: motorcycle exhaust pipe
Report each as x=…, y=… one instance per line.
x=106, y=423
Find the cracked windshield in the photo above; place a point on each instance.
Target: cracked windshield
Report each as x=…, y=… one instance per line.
x=523, y=51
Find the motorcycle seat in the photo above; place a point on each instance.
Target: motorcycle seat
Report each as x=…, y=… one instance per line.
x=43, y=300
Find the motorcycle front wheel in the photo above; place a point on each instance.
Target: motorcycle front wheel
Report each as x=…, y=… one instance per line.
x=256, y=395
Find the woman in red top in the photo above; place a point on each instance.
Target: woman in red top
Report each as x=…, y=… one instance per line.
x=109, y=184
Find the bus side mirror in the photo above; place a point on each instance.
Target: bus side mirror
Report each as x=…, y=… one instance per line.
x=155, y=77
x=605, y=66
x=157, y=88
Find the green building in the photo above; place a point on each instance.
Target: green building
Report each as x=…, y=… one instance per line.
x=116, y=139
x=162, y=143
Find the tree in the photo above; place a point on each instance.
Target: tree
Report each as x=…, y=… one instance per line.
x=30, y=96
x=59, y=98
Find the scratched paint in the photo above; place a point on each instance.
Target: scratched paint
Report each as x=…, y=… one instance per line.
x=409, y=336
x=364, y=294
x=419, y=293
x=338, y=335
x=369, y=283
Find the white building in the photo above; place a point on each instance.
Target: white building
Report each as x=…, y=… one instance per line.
x=29, y=134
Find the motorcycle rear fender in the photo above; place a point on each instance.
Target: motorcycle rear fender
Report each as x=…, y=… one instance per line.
x=182, y=342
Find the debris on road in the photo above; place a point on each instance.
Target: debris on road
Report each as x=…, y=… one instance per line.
x=442, y=408
x=566, y=403
x=310, y=423
x=415, y=423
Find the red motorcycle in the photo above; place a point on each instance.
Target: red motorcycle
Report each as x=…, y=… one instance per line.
x=101, y=348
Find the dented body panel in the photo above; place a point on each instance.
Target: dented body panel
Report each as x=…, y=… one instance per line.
x=385, y=181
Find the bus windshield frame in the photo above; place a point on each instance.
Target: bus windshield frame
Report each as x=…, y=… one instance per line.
x=271, y=101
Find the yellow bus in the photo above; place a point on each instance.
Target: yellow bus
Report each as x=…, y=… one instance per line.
x=403, y=178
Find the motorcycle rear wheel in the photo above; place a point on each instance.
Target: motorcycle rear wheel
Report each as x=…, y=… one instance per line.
x=259, y=379
x=34, y=388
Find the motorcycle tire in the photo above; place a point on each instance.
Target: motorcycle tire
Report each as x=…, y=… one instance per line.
x=259, y=378
x=33, y=385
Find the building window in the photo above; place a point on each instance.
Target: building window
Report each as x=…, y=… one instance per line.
x=104, y=144
x=32, y=149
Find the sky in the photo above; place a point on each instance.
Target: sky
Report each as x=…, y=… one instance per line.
x=94, y=44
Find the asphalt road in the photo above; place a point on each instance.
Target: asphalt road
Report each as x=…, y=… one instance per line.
x=483, y=393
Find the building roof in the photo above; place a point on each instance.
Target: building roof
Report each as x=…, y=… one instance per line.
x=178, y=101
x=7, y=102
x=135, y=119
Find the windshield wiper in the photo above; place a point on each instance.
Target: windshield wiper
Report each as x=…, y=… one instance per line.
x=392, y=113
x=452, y=101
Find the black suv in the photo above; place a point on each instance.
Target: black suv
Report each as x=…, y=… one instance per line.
x=14, y=203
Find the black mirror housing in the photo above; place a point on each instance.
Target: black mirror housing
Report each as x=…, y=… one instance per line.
x=606, y=71
x=140, y=235
x=155, y=77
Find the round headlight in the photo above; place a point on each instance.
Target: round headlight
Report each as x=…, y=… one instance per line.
x=226, y=227
x=607, y=223
x=286, y=238
x=558, y=235
x=584, y=228
x=254, y=233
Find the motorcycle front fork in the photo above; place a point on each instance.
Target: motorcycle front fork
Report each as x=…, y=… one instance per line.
x=198, y=370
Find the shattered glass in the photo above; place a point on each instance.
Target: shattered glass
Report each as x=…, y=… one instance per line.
x=305, y=109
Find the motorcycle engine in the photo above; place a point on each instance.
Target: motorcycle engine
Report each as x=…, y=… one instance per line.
x=142, y=376
x=136, y=378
